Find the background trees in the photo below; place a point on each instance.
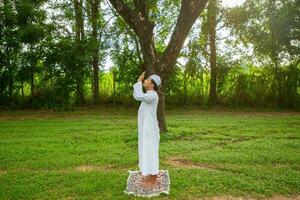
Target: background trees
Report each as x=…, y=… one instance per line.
x=57, y=54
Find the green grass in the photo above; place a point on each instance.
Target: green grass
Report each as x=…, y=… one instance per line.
x=252, y=153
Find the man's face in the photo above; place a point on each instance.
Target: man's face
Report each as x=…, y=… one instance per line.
x=147, y=83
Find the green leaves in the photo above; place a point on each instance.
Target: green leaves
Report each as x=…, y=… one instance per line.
x=268, y=25
x=32, y=33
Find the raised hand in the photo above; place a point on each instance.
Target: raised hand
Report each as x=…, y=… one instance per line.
x=142, y=76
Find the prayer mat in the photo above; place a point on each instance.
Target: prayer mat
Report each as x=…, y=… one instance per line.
x=134, y=184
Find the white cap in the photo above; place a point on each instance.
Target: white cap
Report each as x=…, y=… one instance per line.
x=156, y=79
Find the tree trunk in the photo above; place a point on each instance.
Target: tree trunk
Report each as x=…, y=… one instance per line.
x=79, y=22
x=185, y=87
x=163, y=64
x=212, y=7
x=95, y=16
x=79, y=34
x=114, y=86
x=161, y=108
x=22, y=89
x=31, y=81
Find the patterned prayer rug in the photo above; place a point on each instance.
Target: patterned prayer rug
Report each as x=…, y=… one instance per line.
x=134, y=184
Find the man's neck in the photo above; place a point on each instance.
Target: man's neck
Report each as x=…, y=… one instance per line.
x=149, y=90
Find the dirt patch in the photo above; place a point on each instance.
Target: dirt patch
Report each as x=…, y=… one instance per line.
x=274, y=197
x=81, y=168
x=95, y=168
x=87, y=168
x=2, y=172
x=185, y=163
x=281, y=197
x=91, y=168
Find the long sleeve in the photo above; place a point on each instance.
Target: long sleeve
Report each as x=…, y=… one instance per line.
x=139, y=95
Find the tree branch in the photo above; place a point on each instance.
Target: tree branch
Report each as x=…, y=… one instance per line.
x=223, y=38
x=140, y=6
x=127, y=14
x=142, y=13
x=143, y=28
x=190, y=11
x=103, y=27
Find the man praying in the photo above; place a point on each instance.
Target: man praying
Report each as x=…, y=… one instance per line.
x=148, y=129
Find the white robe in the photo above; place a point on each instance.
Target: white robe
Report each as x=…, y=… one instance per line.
x=148, y=130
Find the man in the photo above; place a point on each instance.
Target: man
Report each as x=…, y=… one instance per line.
x=148, y=129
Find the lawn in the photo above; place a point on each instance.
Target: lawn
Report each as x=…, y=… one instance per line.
x=85, y=154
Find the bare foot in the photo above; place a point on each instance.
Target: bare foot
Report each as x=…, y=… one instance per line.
x=149, y=182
